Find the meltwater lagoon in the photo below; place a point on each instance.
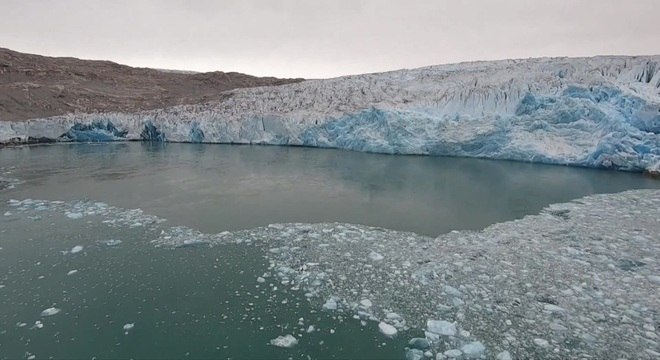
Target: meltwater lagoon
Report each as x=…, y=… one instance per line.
x=152, y=250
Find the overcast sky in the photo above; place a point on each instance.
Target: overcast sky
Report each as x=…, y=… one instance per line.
x=325, y=38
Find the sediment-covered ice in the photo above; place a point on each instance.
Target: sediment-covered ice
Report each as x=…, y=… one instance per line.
x=595, y=112
x=578, y=280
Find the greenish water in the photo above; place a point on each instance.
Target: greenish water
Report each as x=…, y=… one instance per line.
x=201, y=302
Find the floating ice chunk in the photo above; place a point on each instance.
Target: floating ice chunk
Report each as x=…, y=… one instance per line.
x=553, y=308
x=431, y=336
x=393, y=316
x=504, y=355
x=76, y=249
x=286, y=341
x=112, y=242
x=451, y=291
x=311, y=329
x=654, y=279
x=21, y=324
x=330, y=304
x=8, y=213
x=387, y=329
x=72, y=272
x=128, y=327
x=453, y=353
x=74, y=215
x=419, y=343
x=192, y=243
x=541, y=342
x=37, y=325
x=374, y=256
x=29, y=356
x=441, y=327
x=414, y=354
x=457, y=302
x=50, y=311
x=473, y=349
x=260, y=279
x=366, y=303
x=14, y=202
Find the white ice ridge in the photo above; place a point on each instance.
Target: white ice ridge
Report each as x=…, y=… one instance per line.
x=595, y=112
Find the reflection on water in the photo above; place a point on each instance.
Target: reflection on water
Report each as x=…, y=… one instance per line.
x=224, y=187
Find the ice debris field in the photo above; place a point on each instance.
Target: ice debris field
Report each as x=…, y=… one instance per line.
x=596, y=112
x=7, y=181
x=579, y=280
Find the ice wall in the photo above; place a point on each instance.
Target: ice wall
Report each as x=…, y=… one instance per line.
x=595, y=112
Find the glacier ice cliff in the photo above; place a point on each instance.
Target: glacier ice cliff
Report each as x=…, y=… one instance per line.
x=596, y=112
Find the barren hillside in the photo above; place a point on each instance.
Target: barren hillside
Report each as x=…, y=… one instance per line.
x=33, y=86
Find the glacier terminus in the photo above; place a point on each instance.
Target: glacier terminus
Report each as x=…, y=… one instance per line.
x=601, y=112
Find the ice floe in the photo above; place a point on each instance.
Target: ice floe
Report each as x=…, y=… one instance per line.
x=50, y=311
x=387, y=329
x=441, y=327
x=37, y=325
x=286, y=341
x=74, y=215
x=76, y=249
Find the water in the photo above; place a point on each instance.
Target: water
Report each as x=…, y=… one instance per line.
x=201, y=302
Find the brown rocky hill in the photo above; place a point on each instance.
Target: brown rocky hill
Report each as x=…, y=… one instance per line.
x=33, y=86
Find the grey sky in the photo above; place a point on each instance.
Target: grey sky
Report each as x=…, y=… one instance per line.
x=324, y=38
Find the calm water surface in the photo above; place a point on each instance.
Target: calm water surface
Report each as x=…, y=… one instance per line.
x=205, y=302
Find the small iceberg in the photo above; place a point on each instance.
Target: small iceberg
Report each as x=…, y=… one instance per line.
x=387, y=329
x=286, y=341
x=76, y=249
x=74, y=215
x=50, y=311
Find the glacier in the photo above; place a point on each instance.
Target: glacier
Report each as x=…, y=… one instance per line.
x=601, y=112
